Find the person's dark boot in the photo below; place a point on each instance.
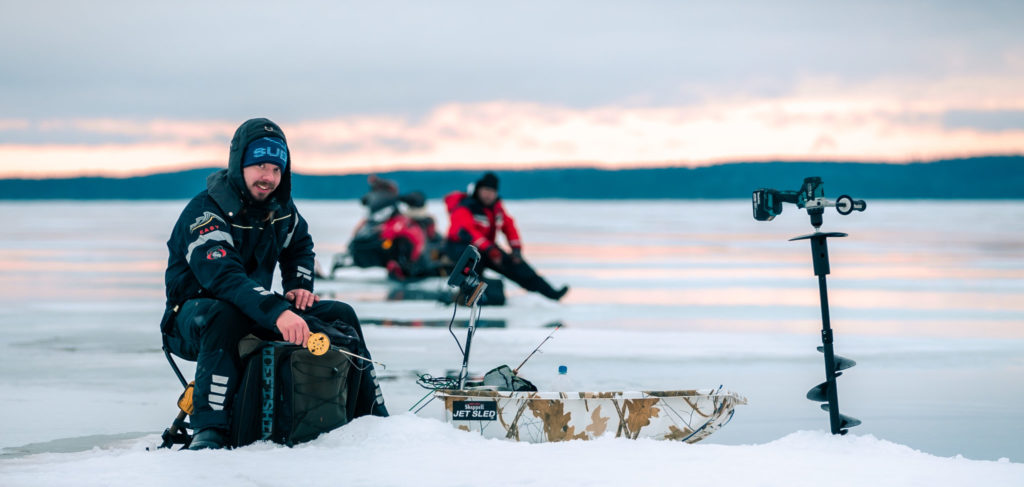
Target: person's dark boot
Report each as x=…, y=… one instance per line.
x=557, y=295
x=539, y=284
x=551, y=293
x=209, y=438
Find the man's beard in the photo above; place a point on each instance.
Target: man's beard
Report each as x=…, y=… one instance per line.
x=256, y=191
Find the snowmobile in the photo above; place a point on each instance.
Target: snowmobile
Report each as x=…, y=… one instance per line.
x=400, y=235
x=403, y=242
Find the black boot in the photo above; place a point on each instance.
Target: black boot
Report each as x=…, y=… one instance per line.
x=549, y=292
x=557, y=295
x=209, y=438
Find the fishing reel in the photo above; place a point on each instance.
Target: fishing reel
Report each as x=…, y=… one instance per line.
x=465, y=278
x=767, y=203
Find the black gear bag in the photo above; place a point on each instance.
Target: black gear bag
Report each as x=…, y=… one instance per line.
x=288, y=395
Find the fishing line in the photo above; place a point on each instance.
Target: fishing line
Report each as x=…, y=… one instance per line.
x=451, y=323
x=432, y=383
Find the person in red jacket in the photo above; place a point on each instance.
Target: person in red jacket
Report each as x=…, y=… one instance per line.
x=476, y=219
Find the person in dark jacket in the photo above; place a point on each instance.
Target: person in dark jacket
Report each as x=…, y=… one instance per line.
x=222, y=254
x=381, y=201
x=476, y=219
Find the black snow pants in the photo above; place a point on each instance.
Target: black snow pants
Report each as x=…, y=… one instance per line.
x=516, y=270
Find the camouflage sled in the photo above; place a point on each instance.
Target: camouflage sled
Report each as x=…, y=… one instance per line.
x=538, y=417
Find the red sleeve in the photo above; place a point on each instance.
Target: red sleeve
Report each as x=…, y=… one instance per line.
x=508, y=226
x=462, y=219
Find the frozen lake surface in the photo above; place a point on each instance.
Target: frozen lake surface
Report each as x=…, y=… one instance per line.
x=926, y=296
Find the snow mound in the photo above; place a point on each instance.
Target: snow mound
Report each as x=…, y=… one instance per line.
x=408, y=450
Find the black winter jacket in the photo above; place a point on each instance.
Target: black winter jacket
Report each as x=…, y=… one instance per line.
x=225, y=245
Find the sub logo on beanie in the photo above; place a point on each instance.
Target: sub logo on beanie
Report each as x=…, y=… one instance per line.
x=266, y=150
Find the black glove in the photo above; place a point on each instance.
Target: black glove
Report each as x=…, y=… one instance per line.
x=494, y=253
x=341, y=334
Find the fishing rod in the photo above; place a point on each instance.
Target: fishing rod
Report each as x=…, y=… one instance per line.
x=550, y=335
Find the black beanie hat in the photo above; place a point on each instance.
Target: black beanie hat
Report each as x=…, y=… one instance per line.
x=489, y=180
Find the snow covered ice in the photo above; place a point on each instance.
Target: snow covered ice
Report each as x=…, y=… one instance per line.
x=927, y=297
x=406, y=450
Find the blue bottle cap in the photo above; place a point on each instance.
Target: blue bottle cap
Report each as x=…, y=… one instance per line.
x=562, y=369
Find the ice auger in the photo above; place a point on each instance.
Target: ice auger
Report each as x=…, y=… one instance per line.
x=767, y=203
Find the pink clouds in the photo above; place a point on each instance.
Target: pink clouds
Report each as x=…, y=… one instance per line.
x=61, y=160
x=885, y=120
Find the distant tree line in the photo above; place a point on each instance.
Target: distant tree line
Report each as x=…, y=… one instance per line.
x=996, y=177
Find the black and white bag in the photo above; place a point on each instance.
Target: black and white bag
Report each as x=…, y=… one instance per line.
x=288, y=395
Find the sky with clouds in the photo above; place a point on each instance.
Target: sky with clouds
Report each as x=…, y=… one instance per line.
x=127, y=87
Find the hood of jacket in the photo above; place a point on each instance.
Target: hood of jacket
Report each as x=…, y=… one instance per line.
x=227, y=186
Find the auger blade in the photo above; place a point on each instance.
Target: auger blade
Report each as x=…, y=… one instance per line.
x=844, y=420
x=819, y=393
x=842, y=363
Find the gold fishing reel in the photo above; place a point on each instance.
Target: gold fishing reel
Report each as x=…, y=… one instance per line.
x=318, y=344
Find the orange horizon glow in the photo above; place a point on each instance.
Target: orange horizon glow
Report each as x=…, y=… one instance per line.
x=894, y=121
